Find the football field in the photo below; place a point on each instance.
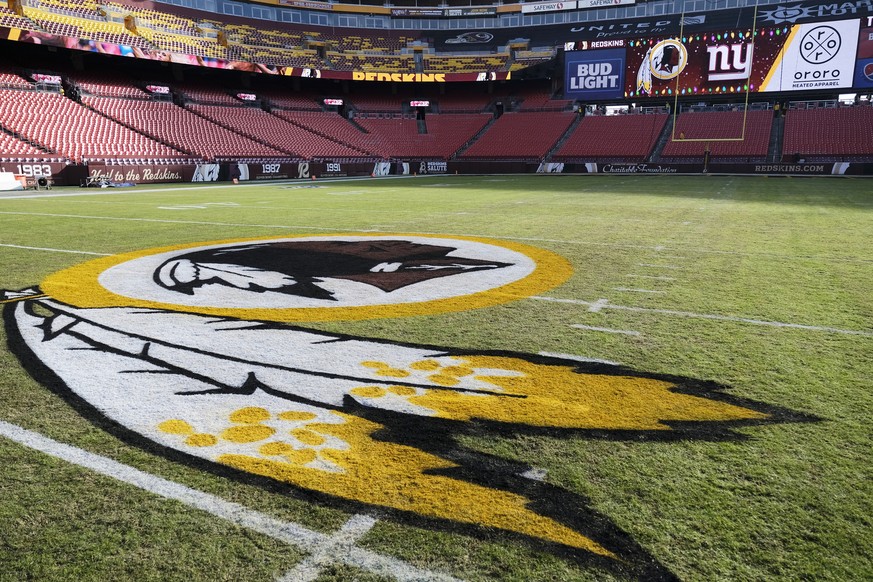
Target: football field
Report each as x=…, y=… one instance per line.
x=526, y=378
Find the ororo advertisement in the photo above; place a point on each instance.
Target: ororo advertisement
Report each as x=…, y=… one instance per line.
x=817, y=55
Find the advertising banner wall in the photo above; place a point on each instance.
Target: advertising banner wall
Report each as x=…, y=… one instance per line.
x=537, y=7
x=817, y=169
x=56, y=173
x=864, y=64
x=703, y=64
x=815, y=56
x=592, y=75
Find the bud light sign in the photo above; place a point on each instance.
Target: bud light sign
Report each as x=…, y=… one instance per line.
x=595, y=74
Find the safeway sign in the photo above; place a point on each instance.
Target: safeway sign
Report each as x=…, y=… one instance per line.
x=547, y=6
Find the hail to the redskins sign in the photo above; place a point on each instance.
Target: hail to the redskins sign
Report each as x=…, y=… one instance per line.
x=199, y=350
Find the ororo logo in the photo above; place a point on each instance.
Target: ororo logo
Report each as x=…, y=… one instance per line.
x=191, y=348
x=820, y=45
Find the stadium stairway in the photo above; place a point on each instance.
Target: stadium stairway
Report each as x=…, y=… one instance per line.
x=570, y=130
x=774, y=149
x=473, y=139
x=655, y=155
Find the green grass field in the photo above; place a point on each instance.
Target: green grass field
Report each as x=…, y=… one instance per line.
x=757, y=288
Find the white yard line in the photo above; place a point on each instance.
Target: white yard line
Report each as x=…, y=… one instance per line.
x=632, y=290
x=310, y=568
x=54, y=250
x=606, y=329
x=671, y=267
x=600, y=304
x=655, y=277
x=288, y=532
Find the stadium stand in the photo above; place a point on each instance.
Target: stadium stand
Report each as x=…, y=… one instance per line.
x=62, y=126
x=402, y=138
x=331, y=126
x=200, y=93
x=106, y=85
x=463, y=102
x=524, y=120
x=285, y=100
x=9, y=78
x=615, y=137
x=360, y=62
x=716, y=125
x=10, y=19
x=14, y=149
x=280, y=134
x=450, y=64
x=81, y=22
x=521, y=136
x=828, y=134
x=181, y=129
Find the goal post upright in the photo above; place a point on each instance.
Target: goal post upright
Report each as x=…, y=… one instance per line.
x=742, y=137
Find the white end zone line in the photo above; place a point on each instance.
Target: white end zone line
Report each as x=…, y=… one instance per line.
x=600, y=304
x=337, y=548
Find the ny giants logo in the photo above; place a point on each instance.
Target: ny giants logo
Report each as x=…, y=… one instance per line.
x=729, y=62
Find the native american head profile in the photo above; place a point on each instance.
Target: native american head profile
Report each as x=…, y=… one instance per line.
x=297, y=267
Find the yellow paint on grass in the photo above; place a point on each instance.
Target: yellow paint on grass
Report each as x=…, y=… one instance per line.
x=398, y=476
x=307, y=437
x=201, y=440
x=558, y=396
x=295, y=415
x=175, y=426
x=368, y=391
x=247, y=433
x=250, y=415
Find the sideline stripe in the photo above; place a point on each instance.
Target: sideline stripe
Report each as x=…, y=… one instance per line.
x=310, y=568
x=291, y=533
x=205, y=186
x=165, y=221
x=55, y=250
x=606, y=329
x=596, y=306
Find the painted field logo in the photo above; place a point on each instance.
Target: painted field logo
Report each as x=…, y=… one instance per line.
x=191, y=349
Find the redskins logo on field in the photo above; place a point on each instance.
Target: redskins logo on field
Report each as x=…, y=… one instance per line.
x=198, y=349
